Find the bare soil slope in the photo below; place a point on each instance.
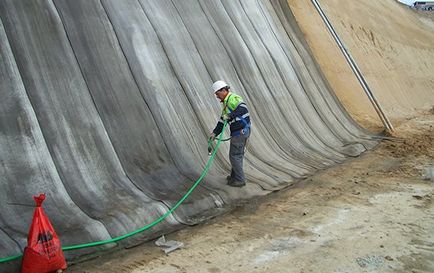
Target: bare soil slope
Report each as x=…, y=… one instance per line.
x=392, y=44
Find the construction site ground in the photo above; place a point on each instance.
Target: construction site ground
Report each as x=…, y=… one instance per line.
x=373, y=213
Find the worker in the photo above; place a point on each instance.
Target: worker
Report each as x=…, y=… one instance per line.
x=235, y=112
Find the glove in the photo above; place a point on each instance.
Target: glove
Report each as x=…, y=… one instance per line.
x=226, y=117
x=212, y=136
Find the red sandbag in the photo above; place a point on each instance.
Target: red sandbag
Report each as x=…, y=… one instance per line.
x=43, y=253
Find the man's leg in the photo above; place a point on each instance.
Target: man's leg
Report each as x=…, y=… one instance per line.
x=236, y=156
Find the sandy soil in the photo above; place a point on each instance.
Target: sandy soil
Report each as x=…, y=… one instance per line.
x=374, y=213
x=392, y=44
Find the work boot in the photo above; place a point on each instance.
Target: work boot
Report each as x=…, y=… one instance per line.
x=229, y=179
x=235, y=183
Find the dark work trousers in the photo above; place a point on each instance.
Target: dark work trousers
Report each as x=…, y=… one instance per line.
x=236, y=156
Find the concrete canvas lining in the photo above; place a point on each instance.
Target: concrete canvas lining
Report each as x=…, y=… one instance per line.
x=106, y=107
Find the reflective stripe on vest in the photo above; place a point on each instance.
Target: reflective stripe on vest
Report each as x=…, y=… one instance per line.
x=246, y=128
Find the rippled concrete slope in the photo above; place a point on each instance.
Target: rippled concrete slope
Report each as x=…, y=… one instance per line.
x=106, y=106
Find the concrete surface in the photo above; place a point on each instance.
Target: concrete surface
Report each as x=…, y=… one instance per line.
x=106, y=107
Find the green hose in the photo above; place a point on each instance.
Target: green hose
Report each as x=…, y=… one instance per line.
x=211, y=141
x=161, y=218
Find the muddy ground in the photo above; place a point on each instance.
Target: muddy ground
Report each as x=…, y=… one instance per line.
x=374, y=213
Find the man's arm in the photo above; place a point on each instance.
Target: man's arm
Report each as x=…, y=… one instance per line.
x=239, y=111
x=218, y=128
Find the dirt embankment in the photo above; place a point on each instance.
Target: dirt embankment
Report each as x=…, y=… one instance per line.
x=392, y=44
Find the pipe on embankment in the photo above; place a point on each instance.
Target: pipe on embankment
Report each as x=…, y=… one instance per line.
x=387, y=124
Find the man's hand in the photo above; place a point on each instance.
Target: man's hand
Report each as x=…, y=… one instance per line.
x=226, y=117
x=212, y=136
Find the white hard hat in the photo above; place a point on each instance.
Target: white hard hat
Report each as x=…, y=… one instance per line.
x=216, y=86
